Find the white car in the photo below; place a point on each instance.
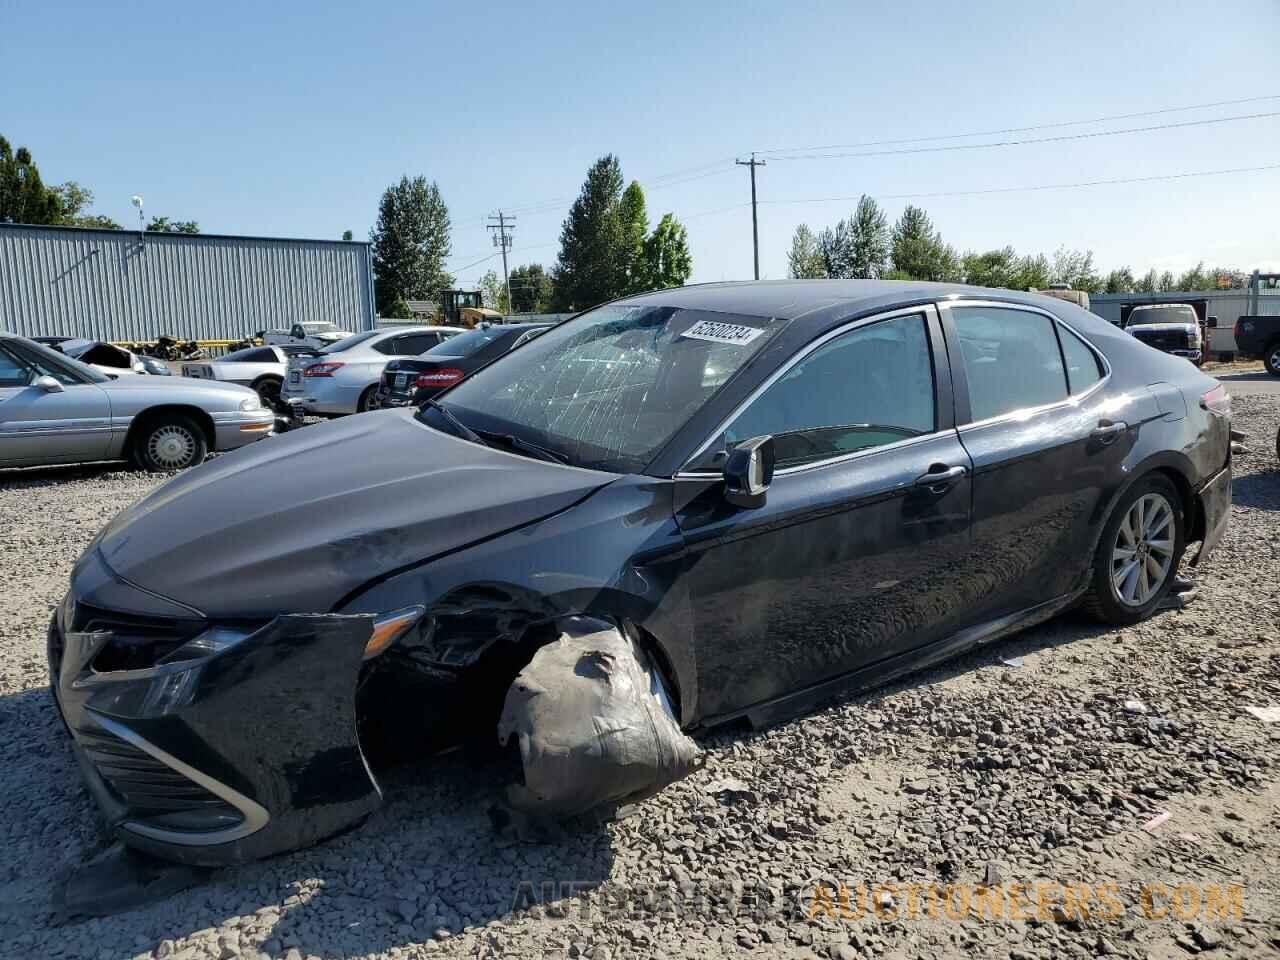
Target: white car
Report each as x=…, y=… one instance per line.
x=344, y=377
x=262, y=369
x=307, y=333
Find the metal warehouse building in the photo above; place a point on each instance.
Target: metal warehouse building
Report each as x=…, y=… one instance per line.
x=126, y=285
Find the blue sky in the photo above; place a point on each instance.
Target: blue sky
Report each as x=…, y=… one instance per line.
x=289, y=119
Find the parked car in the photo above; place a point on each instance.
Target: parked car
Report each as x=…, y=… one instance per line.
x=343, y=378
x=418, y=379
x=261, y=369
x=1258, y=338
x=109, y=359
x=55, y=409
x=778, y=491
x=308, y=333
x=1170, y=327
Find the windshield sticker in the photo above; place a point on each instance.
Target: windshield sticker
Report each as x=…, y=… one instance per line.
x=718, y=332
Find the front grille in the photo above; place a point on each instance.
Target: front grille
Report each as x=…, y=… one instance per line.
x=151, y=789
x=1164, y=341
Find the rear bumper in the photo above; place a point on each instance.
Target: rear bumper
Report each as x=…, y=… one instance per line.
x=1214, y=502
x=229, y=757
x=324, y=395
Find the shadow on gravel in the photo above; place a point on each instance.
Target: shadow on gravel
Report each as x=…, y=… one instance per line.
x=1258, y=490
x=15, y=476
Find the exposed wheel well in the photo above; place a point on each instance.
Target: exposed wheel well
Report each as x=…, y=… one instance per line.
x=1193, y=521
x=152, y=414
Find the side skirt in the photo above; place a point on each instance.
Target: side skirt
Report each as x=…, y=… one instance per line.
x=769, y=712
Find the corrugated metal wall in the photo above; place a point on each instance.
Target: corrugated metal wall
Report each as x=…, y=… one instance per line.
x=114, y=285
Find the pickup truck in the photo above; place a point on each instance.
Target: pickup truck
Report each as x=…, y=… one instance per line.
x=1258, y=338
x=1169, y=327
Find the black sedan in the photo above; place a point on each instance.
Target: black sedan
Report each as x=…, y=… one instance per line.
x=776, y=492
x=414, y=380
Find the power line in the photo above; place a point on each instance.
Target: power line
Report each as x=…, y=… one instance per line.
x=1044, y=186
x=1039, y=126
x=1019, y=143
x=502, y=240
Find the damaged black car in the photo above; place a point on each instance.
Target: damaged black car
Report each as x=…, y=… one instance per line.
x=720, y=502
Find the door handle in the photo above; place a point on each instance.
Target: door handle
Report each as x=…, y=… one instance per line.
x=940, y=479
x=1107, y=431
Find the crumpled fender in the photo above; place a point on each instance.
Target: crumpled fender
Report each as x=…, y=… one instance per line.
x=594, y=724
x=271, y=719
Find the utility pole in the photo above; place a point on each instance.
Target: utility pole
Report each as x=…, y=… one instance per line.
x=755, y=229
x=501, y=223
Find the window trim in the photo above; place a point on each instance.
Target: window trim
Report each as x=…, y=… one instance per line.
x=937, y=357
x=960, y=377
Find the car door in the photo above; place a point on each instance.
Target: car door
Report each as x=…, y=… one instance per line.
x=862, y=541
x=65, y=425
x=1047, y=442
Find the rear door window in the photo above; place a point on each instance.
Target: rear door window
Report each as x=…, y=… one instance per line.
x=1083, y=369
x=1011, y=360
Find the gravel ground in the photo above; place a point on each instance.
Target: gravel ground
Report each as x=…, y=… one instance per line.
x=1040, y=771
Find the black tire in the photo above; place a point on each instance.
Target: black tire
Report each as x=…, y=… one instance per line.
x=1103, y=601
x=365, y=402
x=1271, y=359
x=268, y=390
x=169, y=442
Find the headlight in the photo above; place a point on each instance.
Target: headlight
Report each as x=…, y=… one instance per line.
x=249, y=404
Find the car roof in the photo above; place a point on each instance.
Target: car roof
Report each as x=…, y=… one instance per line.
x=817, y=301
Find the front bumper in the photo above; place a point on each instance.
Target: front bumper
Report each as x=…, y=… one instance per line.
x=224, y=758
x=233, y=430
x=1214, y=500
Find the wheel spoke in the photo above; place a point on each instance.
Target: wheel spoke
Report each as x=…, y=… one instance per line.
x=1161, y=546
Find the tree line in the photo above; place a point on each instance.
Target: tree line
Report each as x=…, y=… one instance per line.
x=24, y=198
x=864, y=245
x=606, y=249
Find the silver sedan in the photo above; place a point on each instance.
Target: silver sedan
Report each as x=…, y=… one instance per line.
x=344, y=378
x=54, y=409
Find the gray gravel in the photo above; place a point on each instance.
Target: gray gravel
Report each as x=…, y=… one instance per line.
x=978, y=772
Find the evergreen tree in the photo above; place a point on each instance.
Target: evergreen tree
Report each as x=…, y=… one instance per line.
x=410, y=244
x=635, y=228
x=23, y=196
x=868, y=240
x=918, y=251
x=591, y=268
x=530, y=289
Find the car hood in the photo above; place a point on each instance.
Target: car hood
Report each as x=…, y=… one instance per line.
x=1161, y=328
x=297, y=522
x=130, y=381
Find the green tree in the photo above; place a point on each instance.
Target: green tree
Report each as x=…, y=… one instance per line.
x=918, y=251
x=869, y=240
x=1120, y=281
x=1075, y=268
x=804, y=260
x=835, y=247
x=347, y=235
x=995, y=268
x=410, y=243
x=667, y=261
x=494, y=292
x=74, y=200
x=592, y=264
x=634, y=223
x=1167, y=282
x=1197, y=278
x=1149, y=283
x=165, y=225
x=530, y=289
x=23, y=196
x=1033, y=273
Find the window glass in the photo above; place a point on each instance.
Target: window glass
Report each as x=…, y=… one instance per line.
x=13, y=373
x=49, y=362
x=468, y=343
x=1011, y=360
x=866, y=388
x=346, y=343
x=415, y=344
x=1082, y=366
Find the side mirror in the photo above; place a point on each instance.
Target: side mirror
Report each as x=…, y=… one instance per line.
x=1211, y=323
x=748, y=472
x=48, y=384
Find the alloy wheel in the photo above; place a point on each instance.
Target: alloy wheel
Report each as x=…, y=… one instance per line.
x=171, y=447
x=1142, y=555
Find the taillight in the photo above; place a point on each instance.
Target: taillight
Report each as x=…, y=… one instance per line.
x=321, y=369
x=1217, y=401
x=445, y=377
